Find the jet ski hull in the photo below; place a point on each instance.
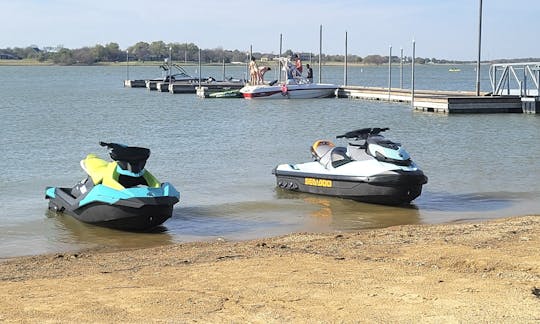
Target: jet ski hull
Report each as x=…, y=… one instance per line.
x=397, y=188
x=131, y=214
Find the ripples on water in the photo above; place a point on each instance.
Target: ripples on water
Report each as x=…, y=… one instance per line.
x=220, y=153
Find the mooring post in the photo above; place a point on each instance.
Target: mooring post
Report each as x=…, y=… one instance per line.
x=345, y=61
x=389, y=72
x=127, y=67
x=280, y=53
x=170, y=64
x=412, y=73
x=401, y=69
x=320, y=53
x=223, y=78
x=479, y=49
x=200, y=67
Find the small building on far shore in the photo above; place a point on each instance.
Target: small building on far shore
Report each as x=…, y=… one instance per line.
x=5, y=56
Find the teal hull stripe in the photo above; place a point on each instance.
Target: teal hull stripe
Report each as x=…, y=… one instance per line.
x=129, y=173
x=50, y=192
x=101, y=193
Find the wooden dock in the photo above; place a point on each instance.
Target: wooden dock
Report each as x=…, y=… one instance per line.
x=449, y=102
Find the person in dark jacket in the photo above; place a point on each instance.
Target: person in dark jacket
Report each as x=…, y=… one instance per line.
x=309, y=73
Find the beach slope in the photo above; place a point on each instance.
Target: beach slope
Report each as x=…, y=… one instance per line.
x=451, y=273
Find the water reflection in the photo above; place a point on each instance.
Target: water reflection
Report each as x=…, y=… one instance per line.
x=467, y=202
x=239, y=220
x=345, y=214
x=69, y=230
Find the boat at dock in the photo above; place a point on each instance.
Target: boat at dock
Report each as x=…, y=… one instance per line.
x=290, y=90
x=226, y=94
x=294, y=87
x=179, y=75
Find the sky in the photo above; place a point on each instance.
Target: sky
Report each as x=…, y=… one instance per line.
x=443, y=29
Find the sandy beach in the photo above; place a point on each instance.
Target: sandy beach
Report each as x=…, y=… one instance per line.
x=450, y=273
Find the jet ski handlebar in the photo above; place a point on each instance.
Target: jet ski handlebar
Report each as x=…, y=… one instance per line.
x=363, y=133
x=130, y=158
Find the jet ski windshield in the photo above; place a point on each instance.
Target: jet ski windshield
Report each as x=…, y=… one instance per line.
x=129, y=158
x=379, y=140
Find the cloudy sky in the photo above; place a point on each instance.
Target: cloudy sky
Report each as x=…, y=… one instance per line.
x=441, y=28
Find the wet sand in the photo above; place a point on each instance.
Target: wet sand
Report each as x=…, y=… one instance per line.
x=450, y=273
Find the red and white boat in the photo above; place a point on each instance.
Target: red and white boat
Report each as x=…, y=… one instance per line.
x=295, y=87
x=289, y=90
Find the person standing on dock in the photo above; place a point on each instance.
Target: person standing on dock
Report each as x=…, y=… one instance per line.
x=309, y=73
x=253, y=72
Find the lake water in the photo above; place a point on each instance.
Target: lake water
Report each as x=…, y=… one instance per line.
x=220, y=153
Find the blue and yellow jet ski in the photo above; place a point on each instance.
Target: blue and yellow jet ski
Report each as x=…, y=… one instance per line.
x=120, y=194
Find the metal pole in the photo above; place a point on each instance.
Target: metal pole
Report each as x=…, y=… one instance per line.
x=537, y=83
x=389, y=72
x=345, y=65
x=127, y=65
x=249, y=62
x=412, y=73
x=524, y=81
x=280, y=52
x=170, y=64
x=200, y=67
x=479, y=49
x=320, y=53
x=401, y=69
x=223, y=78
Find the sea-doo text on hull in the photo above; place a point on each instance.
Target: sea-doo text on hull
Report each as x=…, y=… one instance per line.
x=121, y=194
x=370, y=169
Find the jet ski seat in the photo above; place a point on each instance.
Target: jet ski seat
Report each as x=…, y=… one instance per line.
x=339, y=157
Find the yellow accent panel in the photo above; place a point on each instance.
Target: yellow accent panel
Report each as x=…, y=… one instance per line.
x=105, y=173
x=322, y=142
x=95, y=167
x=151, y=180
x=110, y=179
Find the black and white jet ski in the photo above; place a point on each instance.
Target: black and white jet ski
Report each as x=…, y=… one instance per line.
x=120, y=194
x=370, y=169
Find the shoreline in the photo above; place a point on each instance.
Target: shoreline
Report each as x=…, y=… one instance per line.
x=456, y=272
x=25, y=62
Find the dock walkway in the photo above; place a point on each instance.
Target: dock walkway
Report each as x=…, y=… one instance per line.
x=438, y=101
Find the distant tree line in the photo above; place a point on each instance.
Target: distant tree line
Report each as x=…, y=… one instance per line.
x=187, y=52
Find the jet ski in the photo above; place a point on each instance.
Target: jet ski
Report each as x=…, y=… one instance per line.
x=370, y=169
x=120, y=194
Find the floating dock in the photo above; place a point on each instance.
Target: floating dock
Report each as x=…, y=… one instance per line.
x=449, y=102
x=183, y=86
x=135, y=83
